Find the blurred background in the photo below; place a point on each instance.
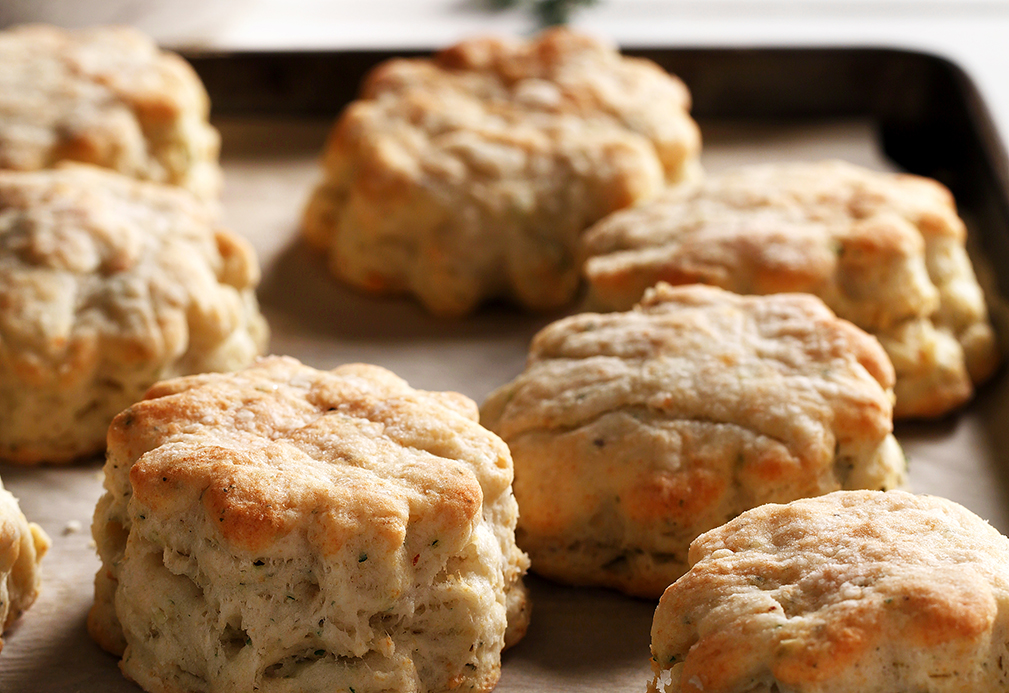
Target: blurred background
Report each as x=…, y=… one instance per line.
x=971, y=33
x=403, y=23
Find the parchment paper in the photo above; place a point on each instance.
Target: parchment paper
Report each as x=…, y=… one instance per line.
x=580, y=639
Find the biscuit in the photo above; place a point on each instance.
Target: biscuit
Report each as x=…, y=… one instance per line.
x=883, y=250
x=105, y=96
x=633, y=433
x=107, y=285
x=283, y=528
x=850, y=592
x=471, y=175
x=22, y=546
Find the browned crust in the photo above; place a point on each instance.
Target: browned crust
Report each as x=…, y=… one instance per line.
x=841, y=592
x=470, y=175
x=634, y=432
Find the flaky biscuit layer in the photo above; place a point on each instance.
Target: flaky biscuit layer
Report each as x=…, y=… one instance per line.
x=326, y=530
x=633, y=433
x=108, y=284
x=885, y=251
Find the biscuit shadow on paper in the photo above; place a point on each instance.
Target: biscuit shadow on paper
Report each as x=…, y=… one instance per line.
x=991, y=409
x=298, y=290
x=958, y=455
x=582, y=630
x=66, y=659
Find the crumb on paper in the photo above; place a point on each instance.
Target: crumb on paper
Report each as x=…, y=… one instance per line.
x=72, y=527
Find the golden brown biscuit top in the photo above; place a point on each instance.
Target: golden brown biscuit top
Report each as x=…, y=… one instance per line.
x=83, y=95
x=823, y=191
x=560, y=83
x=99, y=268
x=345, y=458
x=855, y=237
x=837, y=189
x=833, y=189
x=802, y=591
x=783, y=366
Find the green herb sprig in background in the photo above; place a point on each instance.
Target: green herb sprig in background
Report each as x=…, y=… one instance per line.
x=547, y=12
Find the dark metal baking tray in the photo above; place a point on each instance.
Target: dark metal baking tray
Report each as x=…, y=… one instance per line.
x=930, y=116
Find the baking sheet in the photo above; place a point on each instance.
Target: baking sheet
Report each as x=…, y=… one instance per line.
x=579, y=639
